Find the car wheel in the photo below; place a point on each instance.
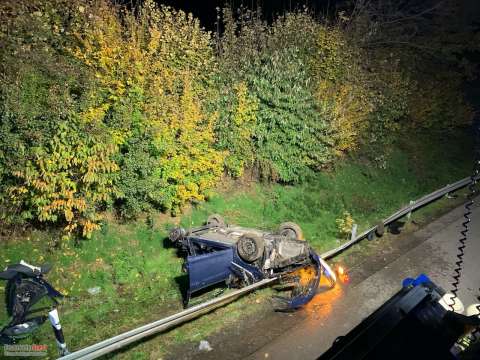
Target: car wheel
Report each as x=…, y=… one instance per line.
x=176, y=234
x=291, y=231
x=215, y=220
x=250, y=247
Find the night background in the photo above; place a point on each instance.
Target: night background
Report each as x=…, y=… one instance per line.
x=122, y=120
x=206, y=10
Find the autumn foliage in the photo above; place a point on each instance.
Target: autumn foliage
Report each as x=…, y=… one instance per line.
x=103, y=107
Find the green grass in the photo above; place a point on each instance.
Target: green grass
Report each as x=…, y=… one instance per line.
x=138, y=272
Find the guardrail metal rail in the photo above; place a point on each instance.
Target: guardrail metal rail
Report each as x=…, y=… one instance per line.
x=414, y=205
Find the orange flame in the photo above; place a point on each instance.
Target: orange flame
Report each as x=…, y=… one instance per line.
x=342, y=274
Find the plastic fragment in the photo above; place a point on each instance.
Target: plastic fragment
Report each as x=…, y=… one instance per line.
x=204, y=346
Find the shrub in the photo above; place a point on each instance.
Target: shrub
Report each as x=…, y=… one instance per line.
x=345, y=224
x=64, y=180
x=55, y=166
x=273, y=62
x=437, y=101
x=155, y=71
x=92, y=89
x=342, y=92
x=391, y=89
x=236, y=128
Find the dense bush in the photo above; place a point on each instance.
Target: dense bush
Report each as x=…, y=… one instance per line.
x=342, y=91
x=95, y=90
x=436, y=102
x=236, y=127
x=56, y=167
x=138, y=110
x=290, y=135
x=155, y=70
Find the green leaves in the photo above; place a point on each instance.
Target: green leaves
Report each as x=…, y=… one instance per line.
x=289, y=137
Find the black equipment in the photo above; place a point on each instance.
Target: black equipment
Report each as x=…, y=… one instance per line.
x=25, y=288
x=411, y=325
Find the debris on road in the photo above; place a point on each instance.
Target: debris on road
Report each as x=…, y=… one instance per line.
x=204, y=346
x=94, y=290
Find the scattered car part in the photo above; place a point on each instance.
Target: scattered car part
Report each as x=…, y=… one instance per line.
x=329, y=273
x=25, y=288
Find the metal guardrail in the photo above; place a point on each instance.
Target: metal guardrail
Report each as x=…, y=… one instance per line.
x=126, y=338
x=401, y=213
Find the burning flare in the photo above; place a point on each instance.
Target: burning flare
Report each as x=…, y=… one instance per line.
x=342, y=274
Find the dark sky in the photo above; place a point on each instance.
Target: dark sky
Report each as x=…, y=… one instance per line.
x=205, y=9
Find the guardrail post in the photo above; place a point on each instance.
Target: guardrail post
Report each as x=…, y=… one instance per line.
x=409, y=215
x=354, y=231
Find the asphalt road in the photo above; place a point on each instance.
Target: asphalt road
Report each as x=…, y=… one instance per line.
x=432, y=251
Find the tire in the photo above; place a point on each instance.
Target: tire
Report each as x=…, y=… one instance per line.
x=176, y=234
x=250, y=247
x=291, y=230
x=215, y=220
x=380, y=230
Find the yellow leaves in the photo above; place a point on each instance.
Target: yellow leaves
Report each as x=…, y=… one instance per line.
x=50, y=184
x=331, y=58
x=241, y=130
x=189, y=162
x=88, y=227
x=70, y=228
x=342, y=89
x=95, y=114
x=345, y=223
x=246, y=107
x=348, y=108
x=438, y=102
x=68, y=215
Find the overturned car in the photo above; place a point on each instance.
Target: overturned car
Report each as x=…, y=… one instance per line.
x=237, y=256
